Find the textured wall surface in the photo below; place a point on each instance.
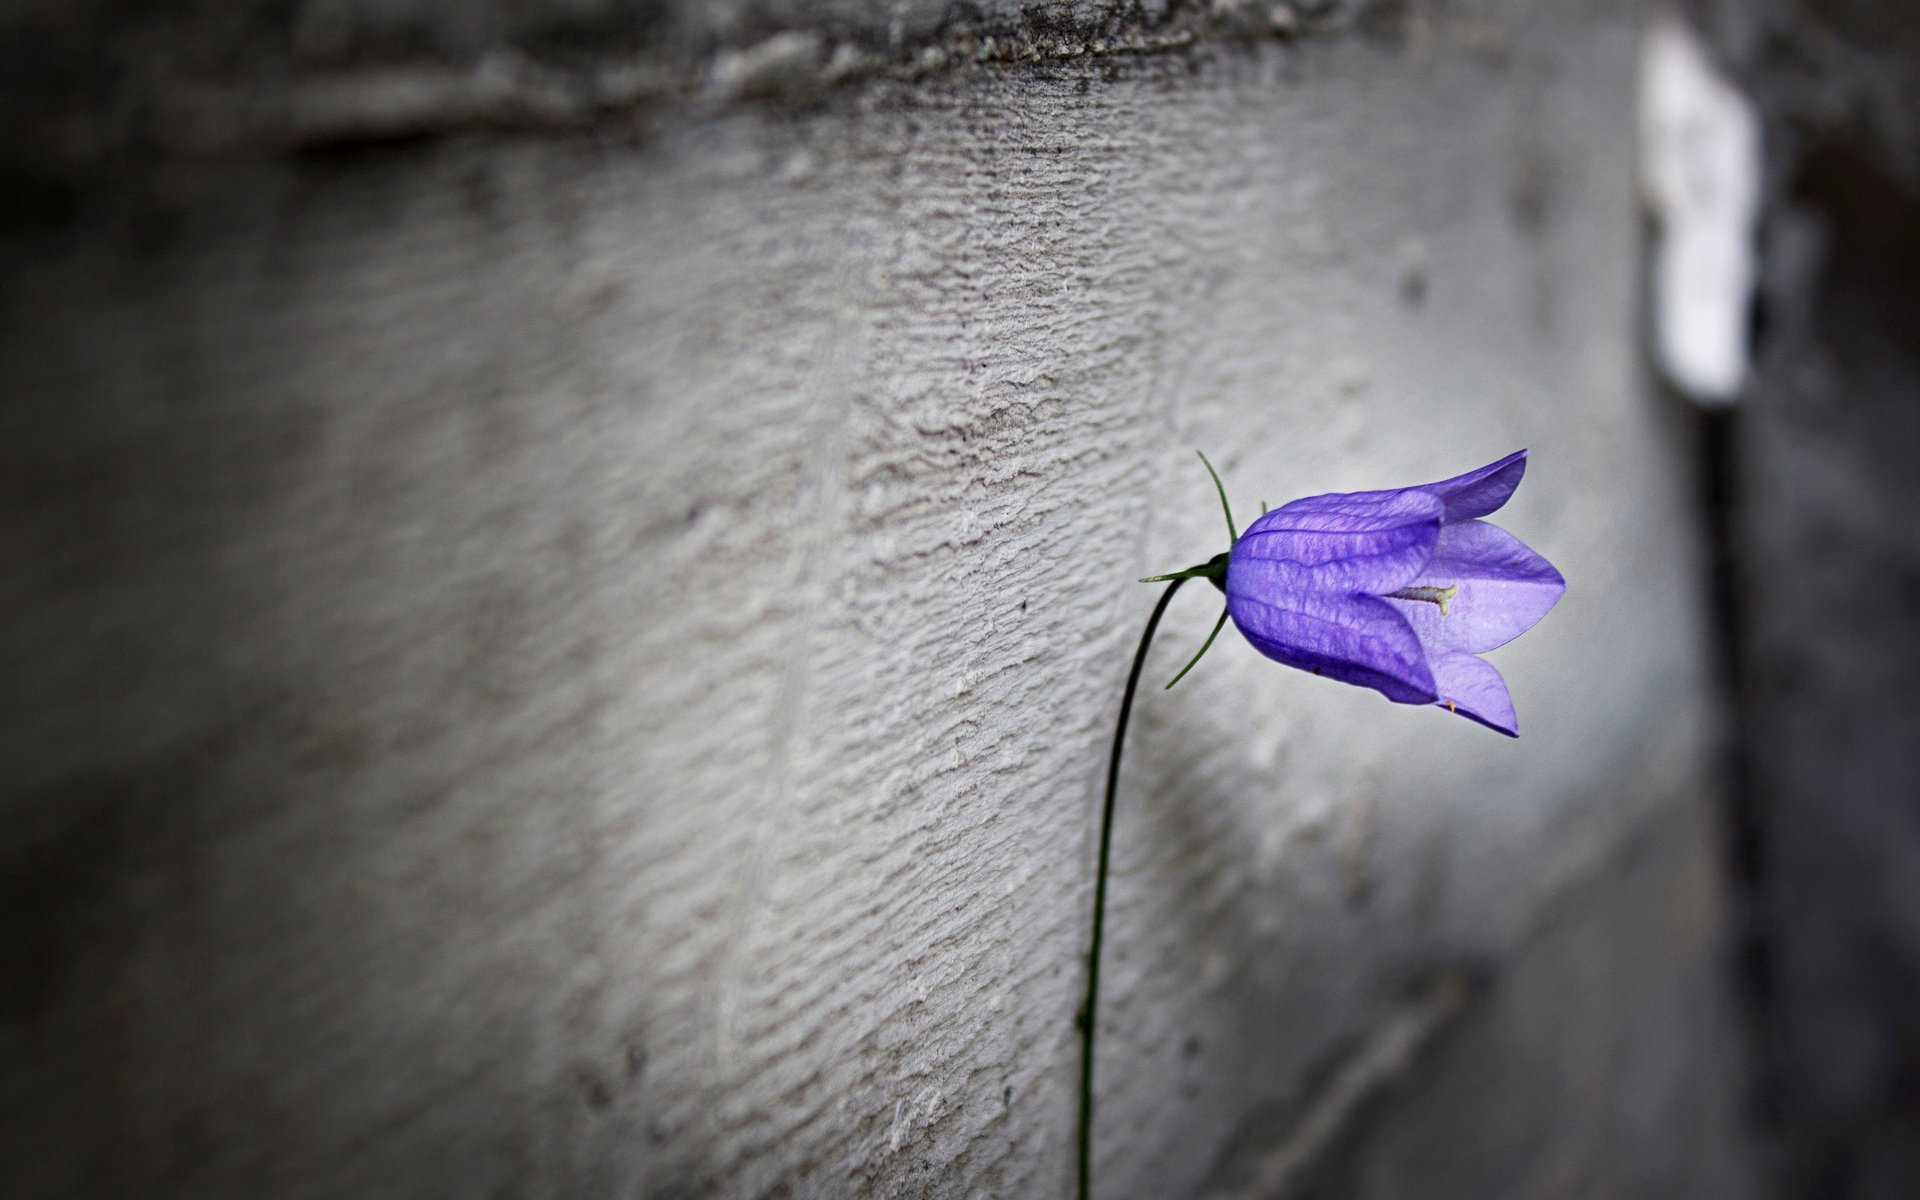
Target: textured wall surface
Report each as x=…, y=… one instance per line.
x=579, y=662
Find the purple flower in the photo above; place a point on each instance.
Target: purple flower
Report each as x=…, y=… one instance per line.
x=1399, y=591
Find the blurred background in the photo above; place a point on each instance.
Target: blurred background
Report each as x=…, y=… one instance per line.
x=566, y=569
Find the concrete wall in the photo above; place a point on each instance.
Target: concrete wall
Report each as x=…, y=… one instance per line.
x=578, y=660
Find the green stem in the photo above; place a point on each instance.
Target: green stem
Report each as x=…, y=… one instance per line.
x=1089, y=1010
x=1202, y=652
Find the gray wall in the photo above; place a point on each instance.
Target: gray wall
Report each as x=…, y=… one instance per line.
x=574, y=656
x=1822, y=510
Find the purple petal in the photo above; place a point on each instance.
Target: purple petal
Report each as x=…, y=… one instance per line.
x=1352, y=512
x=1355, y=639
x=1281, y=560
x=1471, y=687
x=1478, y=493
x=1504, y=588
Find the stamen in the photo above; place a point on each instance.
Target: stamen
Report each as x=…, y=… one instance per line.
x=1431, y=595
x=1451, y=708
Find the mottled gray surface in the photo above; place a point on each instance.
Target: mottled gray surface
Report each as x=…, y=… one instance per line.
x=580, y=664
x=90, y=84
x=1825, y=514
x=1586, y=1064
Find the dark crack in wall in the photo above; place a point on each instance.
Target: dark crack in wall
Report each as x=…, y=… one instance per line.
x=1824, y=587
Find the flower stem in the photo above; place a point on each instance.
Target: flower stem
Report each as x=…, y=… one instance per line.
x=1088, y=1010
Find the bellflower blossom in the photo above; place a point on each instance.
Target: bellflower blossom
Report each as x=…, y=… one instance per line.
x=1398, y=590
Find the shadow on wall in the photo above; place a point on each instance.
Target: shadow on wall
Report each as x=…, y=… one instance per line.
x=1816, y=483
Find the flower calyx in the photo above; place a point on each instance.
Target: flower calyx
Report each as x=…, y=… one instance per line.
x=1214, y=569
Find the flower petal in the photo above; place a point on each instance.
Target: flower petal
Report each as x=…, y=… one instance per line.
x=1504, y=588
x=1355, y=639
x=1353, y=512
x=1480, y=492
x=1280, y=560
x=1471, y=687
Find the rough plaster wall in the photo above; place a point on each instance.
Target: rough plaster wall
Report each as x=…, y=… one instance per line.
x=581, y=664
x=92, y=83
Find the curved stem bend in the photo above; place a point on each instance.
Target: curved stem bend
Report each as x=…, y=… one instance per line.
x=1088, y=1010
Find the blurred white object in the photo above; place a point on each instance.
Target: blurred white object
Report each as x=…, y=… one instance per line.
x=1700, y=166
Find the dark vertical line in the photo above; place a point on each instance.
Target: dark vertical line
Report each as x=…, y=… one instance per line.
x=1744, y=812
x=1088, y=1010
